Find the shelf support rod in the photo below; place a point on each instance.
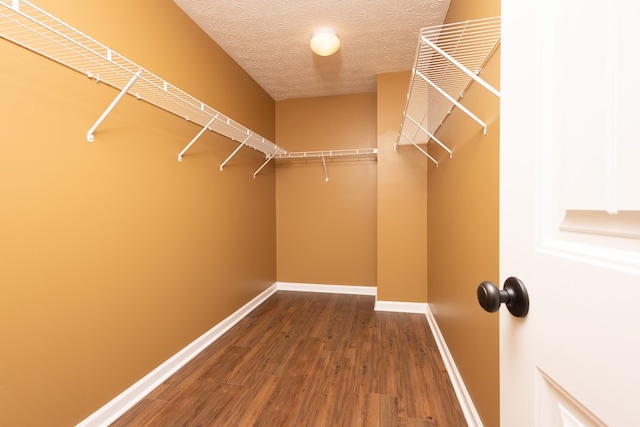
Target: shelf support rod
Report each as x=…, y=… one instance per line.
x=420, y=148
x=235, y=151
x=111, y=106
x=324, y=165
x=264, y=164
x=461, y=67
x=195, y=138
x=430, y=135
x=455, y=102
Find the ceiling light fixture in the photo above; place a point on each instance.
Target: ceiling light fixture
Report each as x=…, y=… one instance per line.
x=325, y=41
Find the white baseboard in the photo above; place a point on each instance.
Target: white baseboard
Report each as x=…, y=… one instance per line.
x=125, y=400
x=401, y=307
x=331, y=289
x=468, y=408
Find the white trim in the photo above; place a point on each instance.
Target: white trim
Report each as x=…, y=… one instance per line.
x=468, y=408
x=125, y=400
x=401, y=307
x=331, y=289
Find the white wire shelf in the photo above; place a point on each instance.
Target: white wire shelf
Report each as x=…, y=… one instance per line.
x=449, y=58
x=354, y=152
x=32, y=28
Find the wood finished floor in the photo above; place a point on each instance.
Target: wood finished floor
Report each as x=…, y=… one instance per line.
x=310, y=359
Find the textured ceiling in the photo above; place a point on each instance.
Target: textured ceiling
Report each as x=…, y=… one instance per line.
x=270, y=40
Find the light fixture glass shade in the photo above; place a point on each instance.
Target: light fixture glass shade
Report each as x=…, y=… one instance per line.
x=325, y=41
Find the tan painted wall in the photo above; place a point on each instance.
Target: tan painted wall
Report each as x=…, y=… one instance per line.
x=326, y=230
x=402, y=201
x=113, y=255
x=463, y=228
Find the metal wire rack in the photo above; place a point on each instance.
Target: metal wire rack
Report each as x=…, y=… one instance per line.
x=32, y=28
x=29, y=26
x=353, y=152
x=449, y=58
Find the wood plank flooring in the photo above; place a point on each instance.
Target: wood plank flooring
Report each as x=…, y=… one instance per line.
x=310, y=359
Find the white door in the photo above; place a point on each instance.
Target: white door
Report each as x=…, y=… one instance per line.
x=570, y=212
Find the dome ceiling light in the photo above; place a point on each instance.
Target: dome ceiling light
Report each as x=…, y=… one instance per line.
x=325, y=41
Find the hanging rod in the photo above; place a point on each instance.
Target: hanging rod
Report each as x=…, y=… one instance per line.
x=355, y=152
x=32, y=28
x=448, y=60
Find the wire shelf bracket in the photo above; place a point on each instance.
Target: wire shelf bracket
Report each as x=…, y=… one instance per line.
x=422, y=150
x=111, y=106
x=195, y=138
x=430, y=135
x=448, y=60
x=28, y=26
x=263, y=165
x=235, y=151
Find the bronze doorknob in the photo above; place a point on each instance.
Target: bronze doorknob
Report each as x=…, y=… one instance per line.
x=514, y=294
